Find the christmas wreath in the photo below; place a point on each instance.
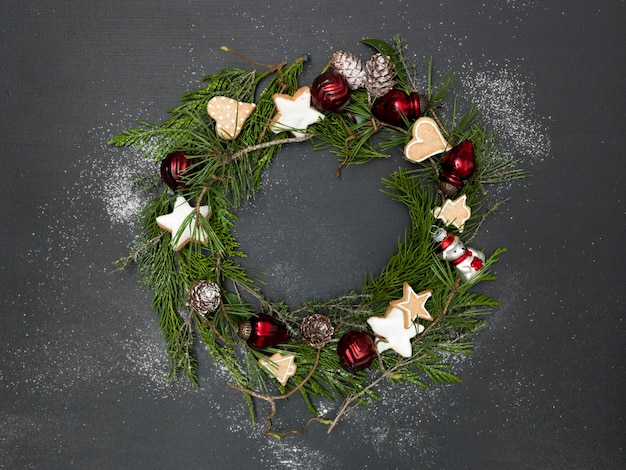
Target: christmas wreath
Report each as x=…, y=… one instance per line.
x=408, y=320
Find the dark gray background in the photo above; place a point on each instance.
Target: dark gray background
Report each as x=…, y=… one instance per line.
x=82, y=358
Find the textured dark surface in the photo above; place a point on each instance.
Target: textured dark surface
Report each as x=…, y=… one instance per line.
x=81, y=355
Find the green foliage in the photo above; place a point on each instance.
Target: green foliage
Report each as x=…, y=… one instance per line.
x=226, y=173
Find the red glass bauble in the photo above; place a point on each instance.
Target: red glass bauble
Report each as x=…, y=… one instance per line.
x=172, y=168
x=356, y=351
x=330, y=91
x=263, y=331
x=457, y=166
x=396, y=106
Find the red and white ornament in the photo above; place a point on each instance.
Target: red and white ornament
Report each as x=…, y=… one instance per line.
x=467, y=261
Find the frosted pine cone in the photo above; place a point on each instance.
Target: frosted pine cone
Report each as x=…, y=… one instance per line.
x=316, y=330
x=350, y=67
x=204, y=297
x=380, y=75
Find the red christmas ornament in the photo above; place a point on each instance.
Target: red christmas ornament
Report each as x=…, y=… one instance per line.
x=457, y=166
x=396, y=106
x=262, y=332
x=330, y=91
x=172, y=168
x=356, y=351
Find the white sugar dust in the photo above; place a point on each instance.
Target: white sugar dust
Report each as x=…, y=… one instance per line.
x=507, y=102
x=106, y=182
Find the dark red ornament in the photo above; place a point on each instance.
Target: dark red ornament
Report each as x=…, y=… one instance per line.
x=396, y=106
x=172, y=168
x=263, y=331
x=330, y=91
x=457, y=166
x=356, y=351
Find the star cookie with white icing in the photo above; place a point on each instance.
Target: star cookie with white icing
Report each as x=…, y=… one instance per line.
x=455, y=212
x=229, y=115
x=294, y=112
x=397, y=327
x=173, y=222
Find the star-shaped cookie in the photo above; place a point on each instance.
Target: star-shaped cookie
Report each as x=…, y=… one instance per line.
x=455, y=212
x=412, y=304
x=281, y=367
x=294, y=112
x=173, y=222
x=391, y=328
x=229, y=115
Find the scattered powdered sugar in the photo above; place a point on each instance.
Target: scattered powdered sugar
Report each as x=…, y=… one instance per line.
x=105, y=182
x=507, y=102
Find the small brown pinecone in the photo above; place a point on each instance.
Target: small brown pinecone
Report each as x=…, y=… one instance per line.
x=204, y=297
x=350, y=67
x=380, y=75
x=316, y=330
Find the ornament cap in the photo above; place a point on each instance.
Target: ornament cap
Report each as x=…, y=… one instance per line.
x=245, y=330
x=447, y=189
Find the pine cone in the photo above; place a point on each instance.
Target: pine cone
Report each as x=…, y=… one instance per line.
x=350, y=67
x=204, y=297
x=316, y=330
x=379, y=75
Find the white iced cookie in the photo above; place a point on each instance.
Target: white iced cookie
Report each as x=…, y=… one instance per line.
x=295, y=113
x=180, y=215
x=397, y=327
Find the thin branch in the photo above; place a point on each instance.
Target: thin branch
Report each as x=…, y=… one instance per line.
x=388, y=372
x=264, y=145
x=271, y=399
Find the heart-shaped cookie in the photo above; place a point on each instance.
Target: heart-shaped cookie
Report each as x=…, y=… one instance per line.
x=229, y=115
x=427, y=140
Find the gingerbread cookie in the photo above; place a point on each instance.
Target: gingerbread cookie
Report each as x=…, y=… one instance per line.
x=427, y=140
x=294, y=112
x=412, y=304
x=455, y=212
x=281, y=367
x=229, y=115
x=173, y=222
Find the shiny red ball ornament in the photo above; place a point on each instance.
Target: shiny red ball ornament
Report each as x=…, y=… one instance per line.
x=172, y=168
x=457, y=166
x=396, y=106
x=356, y=351
x=263, y=331
x=330, y=91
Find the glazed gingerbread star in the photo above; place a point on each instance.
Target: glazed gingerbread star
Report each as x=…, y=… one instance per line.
x=294, y=112
x=181, y=218
x=412, y=304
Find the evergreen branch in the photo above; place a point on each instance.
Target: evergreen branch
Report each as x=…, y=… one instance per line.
x=271, y=399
